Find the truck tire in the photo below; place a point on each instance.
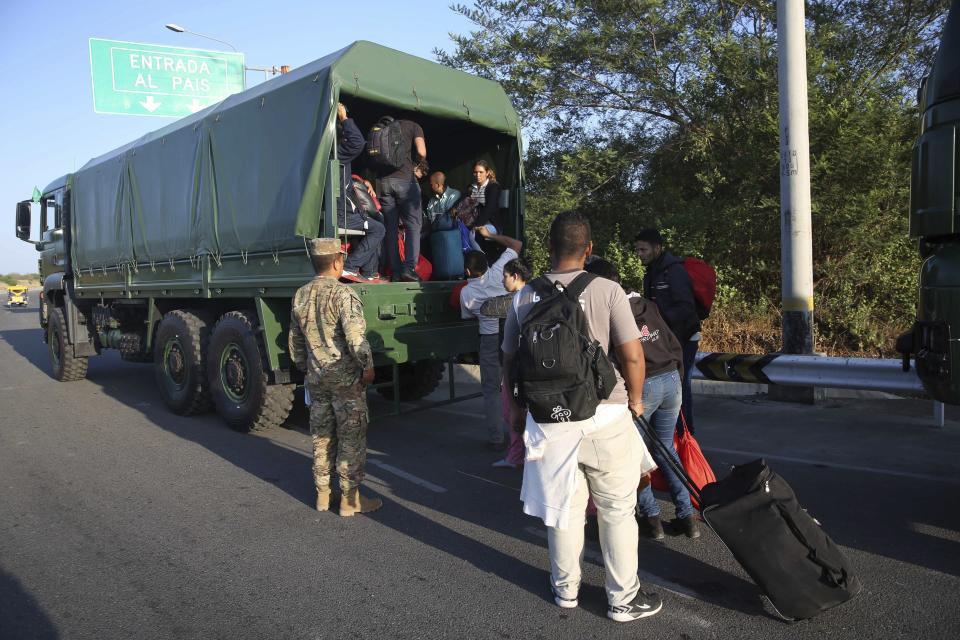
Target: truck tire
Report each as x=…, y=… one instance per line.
x=238, y=379
x=179, y=352
x=417, y=379
x=66, y=366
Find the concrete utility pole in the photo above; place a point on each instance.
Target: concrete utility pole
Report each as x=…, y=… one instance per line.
x=796, y=244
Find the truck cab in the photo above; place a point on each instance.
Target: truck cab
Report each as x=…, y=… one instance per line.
x=935, y=223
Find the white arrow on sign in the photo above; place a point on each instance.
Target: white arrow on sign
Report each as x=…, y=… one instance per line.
x=150, y=105
x=194, y=106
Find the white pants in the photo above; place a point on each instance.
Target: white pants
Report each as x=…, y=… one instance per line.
x=609, y=468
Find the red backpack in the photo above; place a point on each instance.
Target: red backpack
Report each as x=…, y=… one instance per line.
x=704, y=281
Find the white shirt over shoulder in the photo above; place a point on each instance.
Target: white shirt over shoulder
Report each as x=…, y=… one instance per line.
x=479, y=290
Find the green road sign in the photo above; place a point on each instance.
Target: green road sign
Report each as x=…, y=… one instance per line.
x=152, y=80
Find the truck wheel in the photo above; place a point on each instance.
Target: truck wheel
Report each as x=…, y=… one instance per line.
x=238, y=379
x=178, y=356
x=66, y=366
x=417, y=379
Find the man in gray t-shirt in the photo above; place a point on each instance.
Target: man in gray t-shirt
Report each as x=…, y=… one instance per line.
x=609, y=319
x=605, y=452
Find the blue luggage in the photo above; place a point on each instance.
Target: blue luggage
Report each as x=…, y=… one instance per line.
x=447, y=254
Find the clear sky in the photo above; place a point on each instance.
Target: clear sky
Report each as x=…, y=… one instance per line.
x=46, y=109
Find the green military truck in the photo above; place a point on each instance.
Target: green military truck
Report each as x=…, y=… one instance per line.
x=184, y=248
x=935, y=222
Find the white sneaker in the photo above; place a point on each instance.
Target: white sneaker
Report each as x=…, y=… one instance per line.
x=563, y=603
x=503, y=464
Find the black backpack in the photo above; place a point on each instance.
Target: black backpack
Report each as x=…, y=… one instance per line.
x=388, y=148
x=561, y=373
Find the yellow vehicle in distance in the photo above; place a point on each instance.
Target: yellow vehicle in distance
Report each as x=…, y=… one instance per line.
x=16, y=296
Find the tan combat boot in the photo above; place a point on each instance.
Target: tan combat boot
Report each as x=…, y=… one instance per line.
x=323, y=498
x=352, y=502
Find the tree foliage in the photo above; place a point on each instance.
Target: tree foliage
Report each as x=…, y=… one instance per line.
x=665, y=113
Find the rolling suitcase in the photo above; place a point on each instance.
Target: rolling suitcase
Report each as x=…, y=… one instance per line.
x=756, y=515
x=447, y=254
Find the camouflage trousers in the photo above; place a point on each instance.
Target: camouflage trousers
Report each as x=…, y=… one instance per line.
x=338, y=424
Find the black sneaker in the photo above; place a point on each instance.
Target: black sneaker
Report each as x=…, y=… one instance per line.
x=650, y=527
x=643, y=605
x=591, y=530
x=409, y=276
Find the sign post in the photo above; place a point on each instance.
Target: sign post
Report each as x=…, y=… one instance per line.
x=152, y=80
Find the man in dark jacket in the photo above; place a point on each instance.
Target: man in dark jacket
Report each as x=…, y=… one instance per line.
x=666, y=283
x=363, y=262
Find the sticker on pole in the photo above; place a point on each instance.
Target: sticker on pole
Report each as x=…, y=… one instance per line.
x=133, y=78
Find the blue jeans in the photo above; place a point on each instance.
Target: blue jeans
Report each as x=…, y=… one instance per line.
x=497, y=430
x=689, y=357
x=364, y=250
x=661, y=406
x=400, y=200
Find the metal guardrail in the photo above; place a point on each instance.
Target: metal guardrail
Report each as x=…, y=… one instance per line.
x=869, y=374
x=874, y=374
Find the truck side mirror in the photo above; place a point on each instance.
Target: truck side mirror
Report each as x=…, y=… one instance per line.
x=23, y=220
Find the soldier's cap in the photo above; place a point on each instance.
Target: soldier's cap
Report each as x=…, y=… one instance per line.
x=324, y=246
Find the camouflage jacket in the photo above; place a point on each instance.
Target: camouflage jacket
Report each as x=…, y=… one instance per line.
x=328, y=333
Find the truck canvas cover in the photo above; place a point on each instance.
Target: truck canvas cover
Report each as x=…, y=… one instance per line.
x=249, y=174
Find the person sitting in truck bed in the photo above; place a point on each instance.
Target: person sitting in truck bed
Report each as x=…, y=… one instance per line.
x=486, y=191
x=362, y=264
x=443, y=199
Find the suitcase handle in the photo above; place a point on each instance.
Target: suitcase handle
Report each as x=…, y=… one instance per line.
x=675, y=466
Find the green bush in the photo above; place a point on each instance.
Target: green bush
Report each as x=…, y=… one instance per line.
x=664, y=113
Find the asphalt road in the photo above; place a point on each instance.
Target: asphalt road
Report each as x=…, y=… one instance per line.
x=121, y=520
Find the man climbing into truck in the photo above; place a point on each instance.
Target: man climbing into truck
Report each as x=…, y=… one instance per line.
x=394, y=149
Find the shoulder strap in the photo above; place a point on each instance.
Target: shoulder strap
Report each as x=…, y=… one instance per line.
x=542, y=286
x=578, y=284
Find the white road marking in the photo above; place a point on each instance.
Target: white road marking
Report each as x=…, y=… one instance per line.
x=389, y=468
x=833, y=465
x=470, y=475
x=23, y=387
x=936, y=532
x=381, y=484
x=597, y=557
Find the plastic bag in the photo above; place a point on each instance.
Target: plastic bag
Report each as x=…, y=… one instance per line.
x=692, y=459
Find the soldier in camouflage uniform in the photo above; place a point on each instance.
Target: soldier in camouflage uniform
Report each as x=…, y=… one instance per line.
x=328, y=343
